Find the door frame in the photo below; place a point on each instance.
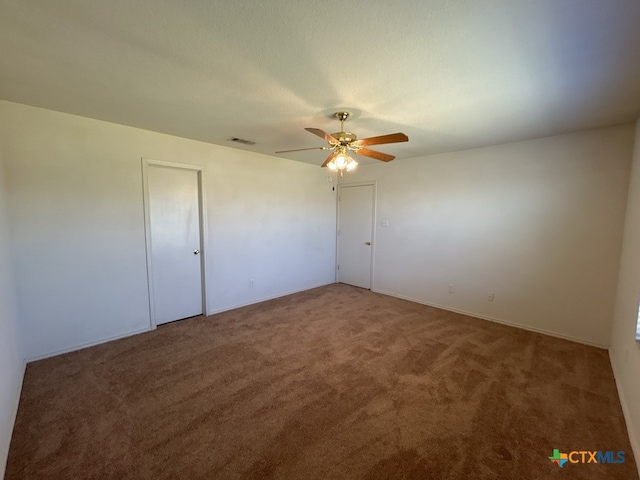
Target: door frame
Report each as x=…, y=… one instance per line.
x=202, y=219
x=374, y=200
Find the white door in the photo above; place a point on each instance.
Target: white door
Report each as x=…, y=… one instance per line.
x=174, y=223
x=355, y=234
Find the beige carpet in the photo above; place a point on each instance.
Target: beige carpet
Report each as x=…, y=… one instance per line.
x=332, y=383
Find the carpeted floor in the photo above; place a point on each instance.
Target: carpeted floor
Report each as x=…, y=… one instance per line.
x=331, y=383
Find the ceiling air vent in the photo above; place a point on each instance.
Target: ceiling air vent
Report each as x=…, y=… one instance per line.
x=241, y=140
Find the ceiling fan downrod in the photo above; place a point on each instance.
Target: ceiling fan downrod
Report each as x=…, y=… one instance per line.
x=342, y=116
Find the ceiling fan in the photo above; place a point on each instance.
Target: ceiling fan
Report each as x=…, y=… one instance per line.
x=343, y=142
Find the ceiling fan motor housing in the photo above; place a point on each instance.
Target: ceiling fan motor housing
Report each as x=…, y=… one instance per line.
x=345, y=138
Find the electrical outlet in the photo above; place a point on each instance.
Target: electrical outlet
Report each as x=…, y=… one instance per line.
x=451, y=288
x=490, y=296
x=252, y=282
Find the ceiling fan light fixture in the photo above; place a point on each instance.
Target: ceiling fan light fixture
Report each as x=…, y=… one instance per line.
x=332, y=166
x=341, y=161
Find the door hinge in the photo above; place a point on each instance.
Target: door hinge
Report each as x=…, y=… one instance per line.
x=338, y=267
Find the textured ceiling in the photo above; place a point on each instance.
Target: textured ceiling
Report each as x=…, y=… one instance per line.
x=450, y=74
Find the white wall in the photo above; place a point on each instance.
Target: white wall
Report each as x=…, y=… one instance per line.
x=537, y=222
x=76, y=212
x=11, y=357
x=625, y=351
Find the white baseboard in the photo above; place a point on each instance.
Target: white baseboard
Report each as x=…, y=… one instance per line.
x=17, y=392
x=633, y=439
x=89, y=344
x=498, y=320
x=264, y=299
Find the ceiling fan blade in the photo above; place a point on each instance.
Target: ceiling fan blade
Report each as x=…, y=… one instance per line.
x=303, y=149
x=323, y=134
x=390, y=138
x=329, y=158
x=385, y=157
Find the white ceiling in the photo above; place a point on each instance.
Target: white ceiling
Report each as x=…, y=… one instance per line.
x=450, y=74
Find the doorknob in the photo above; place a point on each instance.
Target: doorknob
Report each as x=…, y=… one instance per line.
x=196, y=251
x=367, y=243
